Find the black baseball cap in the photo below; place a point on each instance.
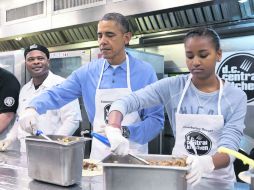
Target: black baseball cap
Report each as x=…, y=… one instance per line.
x=37, y=47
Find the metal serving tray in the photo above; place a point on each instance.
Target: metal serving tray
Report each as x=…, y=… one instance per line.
x=127, y=173
x=54, y=161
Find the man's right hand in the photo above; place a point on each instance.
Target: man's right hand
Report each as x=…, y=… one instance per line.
x=28, y=120
x=119, y=144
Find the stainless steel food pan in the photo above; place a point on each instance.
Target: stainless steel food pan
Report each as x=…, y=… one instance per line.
x=127, y=173
x=53, y=161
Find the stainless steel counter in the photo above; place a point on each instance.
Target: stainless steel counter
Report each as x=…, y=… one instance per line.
x=14, y=176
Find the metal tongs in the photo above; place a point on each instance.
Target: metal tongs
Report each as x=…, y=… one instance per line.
x=105, y=141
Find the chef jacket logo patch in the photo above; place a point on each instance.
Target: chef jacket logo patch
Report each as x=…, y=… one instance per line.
x=9, y=101
x=238, y=69
x=202, y=143
x=106, y=112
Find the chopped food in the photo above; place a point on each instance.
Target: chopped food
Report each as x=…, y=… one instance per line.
x=173, y=162
x=89, y=166
x=92, y=168
x=66, y=139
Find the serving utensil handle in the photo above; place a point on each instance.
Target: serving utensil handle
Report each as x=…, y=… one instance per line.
x=101, y=138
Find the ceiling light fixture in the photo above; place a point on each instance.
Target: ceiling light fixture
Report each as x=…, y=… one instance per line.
x=242, y=1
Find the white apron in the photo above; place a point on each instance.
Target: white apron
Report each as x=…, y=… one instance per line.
x=103, y=100
x=203, y=130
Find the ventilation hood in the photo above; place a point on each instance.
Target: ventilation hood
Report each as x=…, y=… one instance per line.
x=72, y=24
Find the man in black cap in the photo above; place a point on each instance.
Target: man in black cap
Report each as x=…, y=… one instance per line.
x=63, y=121
x=37, y=47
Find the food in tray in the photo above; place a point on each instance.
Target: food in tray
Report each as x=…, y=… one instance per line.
x=89, y=166
x=66, y=139
x=172, y=162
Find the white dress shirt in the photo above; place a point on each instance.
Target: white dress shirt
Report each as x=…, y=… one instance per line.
x=64, y=121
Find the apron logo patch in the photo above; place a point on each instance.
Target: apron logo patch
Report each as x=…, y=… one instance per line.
x=202, y=143
x=106, y=112
x=9, y=101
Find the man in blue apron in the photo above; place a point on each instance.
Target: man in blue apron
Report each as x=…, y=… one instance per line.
x=205, y=113
x=101, y=82
x=103, y=98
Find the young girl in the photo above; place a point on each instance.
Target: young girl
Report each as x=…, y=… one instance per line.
x=203, y=110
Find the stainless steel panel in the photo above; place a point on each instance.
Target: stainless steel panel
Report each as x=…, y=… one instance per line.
x=217, y=12
x=13, y=176
x=142, y=24
x=178, y=18
x=148, y=23
x=225, y=11
x=86, y=31
x=128, y=175
x=160, y=21
x=208, y=14
x=25, y=11
x=154, y=22
x=173, y=19
x=14, y=62
x=45, y=37
x=125, y=160
x=37, y=185
x=80, y=14
x=93, y=30
x=245, y=9
x=79, y=26
x=55, y=162
x=184, y=18
x=190, y=16
x=199, y=15
x=65, y=4
x=167, y=20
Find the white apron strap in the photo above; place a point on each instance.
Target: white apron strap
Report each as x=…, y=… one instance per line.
x=220, y=95
x=99, y=82
x=128, y=73
x=187, y=86
x=184, y=91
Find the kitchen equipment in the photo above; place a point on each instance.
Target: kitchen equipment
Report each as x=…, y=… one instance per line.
x=58, y=161
x=37, y=185
x=105, y=141
x=247, y=174
x=39, y=132
x=127, y=173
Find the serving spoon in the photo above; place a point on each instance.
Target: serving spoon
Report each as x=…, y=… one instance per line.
x=39, y=132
